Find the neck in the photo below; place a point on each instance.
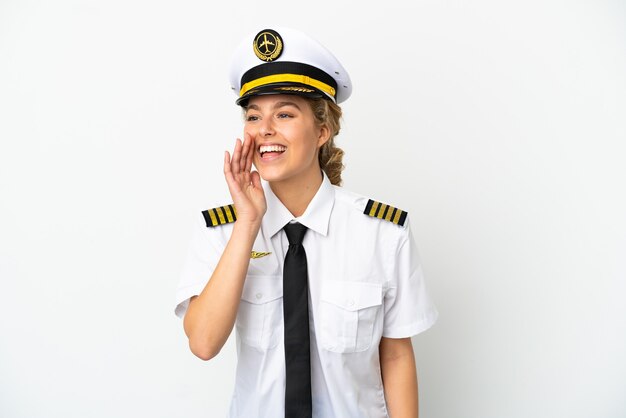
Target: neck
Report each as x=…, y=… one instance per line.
x=297, y=193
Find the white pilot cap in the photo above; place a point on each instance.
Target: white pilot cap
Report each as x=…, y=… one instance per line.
x=286, y=61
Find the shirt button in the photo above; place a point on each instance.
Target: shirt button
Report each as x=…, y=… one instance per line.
x=259, y=295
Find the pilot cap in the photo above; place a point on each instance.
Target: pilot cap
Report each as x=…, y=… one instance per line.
x=286, y=61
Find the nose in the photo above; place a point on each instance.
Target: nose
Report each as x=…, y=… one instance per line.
x=266, y=128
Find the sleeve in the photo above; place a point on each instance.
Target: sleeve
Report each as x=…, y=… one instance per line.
x=205, y=249
x=409, y=309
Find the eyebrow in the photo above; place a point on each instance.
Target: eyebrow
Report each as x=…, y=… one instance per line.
x=282, y=104
x=276, y=106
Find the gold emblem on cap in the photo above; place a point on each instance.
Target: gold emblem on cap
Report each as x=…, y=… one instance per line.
x=268, y=45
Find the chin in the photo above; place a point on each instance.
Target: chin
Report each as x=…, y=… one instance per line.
x=269, y=174
x=275, y=173
x=271, y=177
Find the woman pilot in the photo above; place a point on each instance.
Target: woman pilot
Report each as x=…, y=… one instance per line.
x=323, y=286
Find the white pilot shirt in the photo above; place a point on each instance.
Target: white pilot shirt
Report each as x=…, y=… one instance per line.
x=365, y=282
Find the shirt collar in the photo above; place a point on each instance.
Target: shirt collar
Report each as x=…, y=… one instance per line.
x=315, y=217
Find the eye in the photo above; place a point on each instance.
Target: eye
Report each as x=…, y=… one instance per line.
x=251, y=118
x=284, y=115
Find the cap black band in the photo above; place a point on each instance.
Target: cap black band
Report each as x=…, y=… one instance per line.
x=287, y=67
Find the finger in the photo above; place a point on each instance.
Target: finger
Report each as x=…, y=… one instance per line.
x=251, y=151
x=228, y=175
x=226, y=162
x=244, y=154
x=256, y=180
x=234, y=162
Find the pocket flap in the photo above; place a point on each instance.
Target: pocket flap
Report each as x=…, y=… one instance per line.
x=262, y=289
x=352, y=296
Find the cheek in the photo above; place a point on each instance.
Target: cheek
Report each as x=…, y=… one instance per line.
x=314, y=139
x=250, y=131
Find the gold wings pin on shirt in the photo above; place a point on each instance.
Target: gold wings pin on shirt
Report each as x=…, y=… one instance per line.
x=257, y=254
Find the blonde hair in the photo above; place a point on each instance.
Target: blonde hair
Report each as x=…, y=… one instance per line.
x=330, y=156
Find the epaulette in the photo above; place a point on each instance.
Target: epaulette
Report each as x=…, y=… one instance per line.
x=220, y=215
x=386, y=212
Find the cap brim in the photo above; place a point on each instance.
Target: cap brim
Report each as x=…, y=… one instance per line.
x=282, y=88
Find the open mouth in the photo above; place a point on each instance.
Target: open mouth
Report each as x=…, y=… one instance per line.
x=268, y=151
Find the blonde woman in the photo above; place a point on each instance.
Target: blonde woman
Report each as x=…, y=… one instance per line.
x=323, y=286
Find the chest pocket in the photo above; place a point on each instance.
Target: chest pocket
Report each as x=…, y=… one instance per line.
x=348, y=313
x=259, y=317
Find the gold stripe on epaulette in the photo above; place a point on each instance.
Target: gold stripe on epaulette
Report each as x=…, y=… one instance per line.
x=220, y=215
x=386, y=212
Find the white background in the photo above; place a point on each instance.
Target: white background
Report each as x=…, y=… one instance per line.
x=499, y=126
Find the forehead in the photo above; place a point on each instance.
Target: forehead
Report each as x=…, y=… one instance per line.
x=273, y=100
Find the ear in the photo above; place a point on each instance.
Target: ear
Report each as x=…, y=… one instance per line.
x=323, y=136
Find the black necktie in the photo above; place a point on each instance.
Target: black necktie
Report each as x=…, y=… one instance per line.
x=296, y=318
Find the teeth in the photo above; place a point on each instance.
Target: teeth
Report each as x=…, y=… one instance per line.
x=271, y=148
